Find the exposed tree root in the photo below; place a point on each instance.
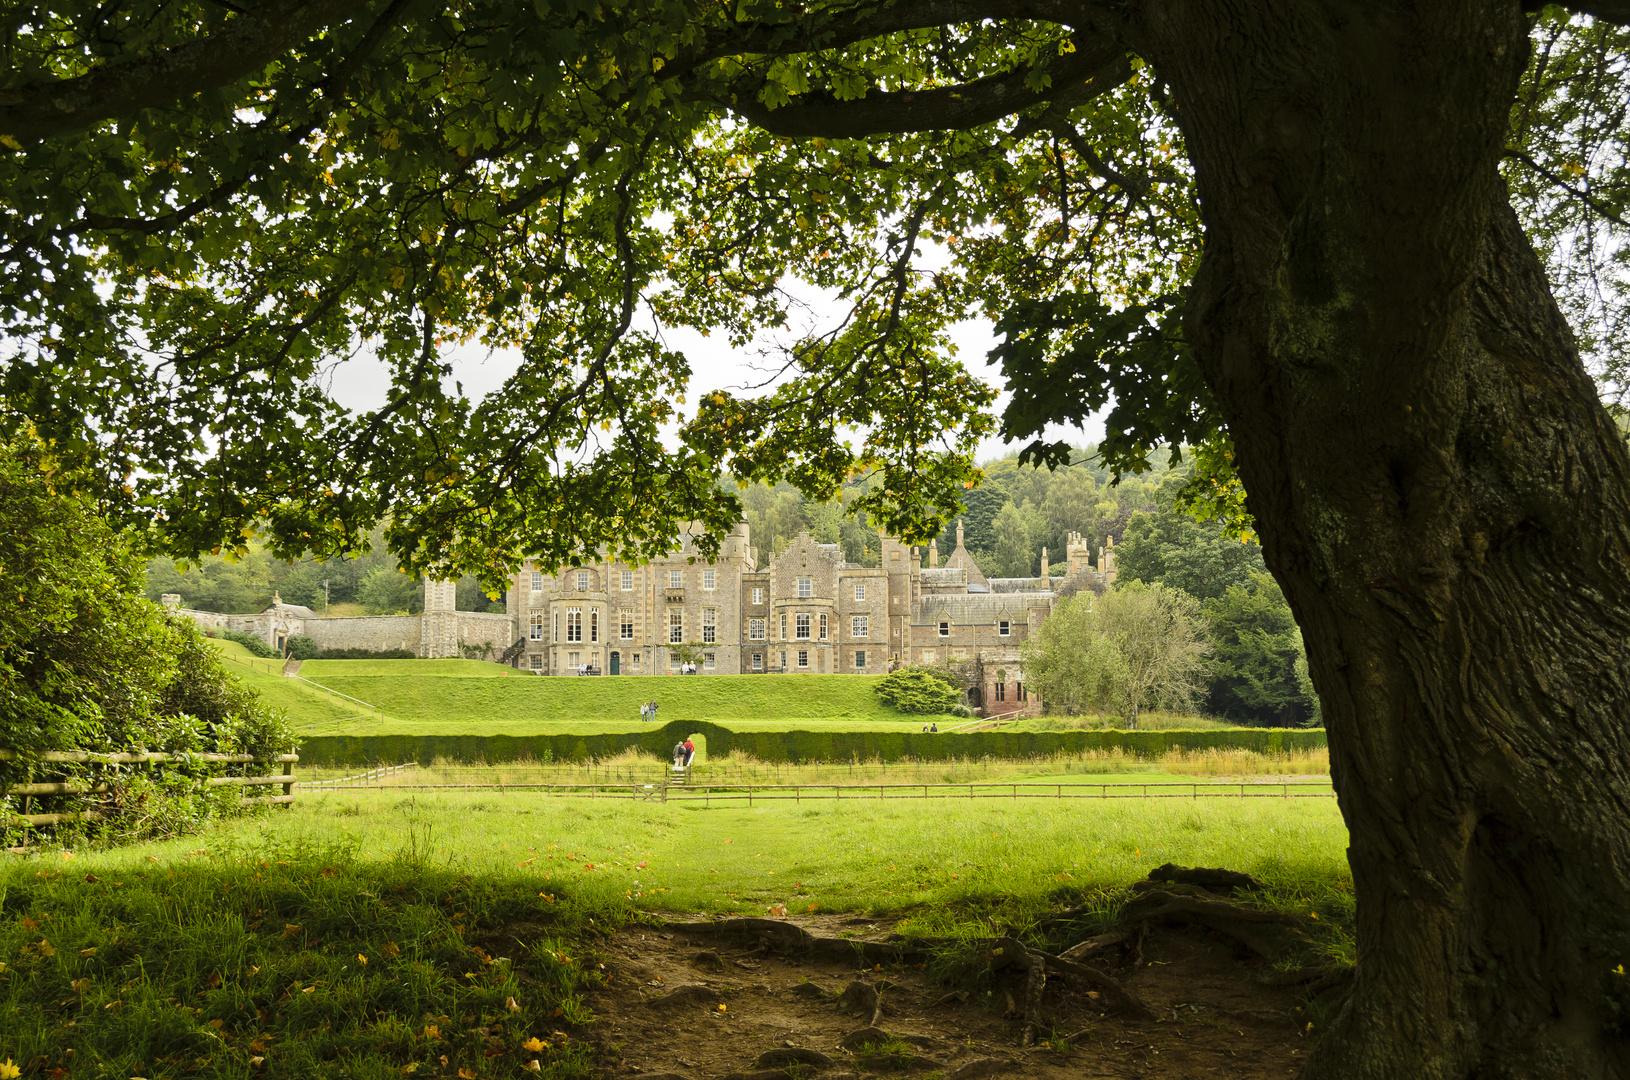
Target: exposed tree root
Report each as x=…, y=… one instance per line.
x=1267, y=933
x=787, y=937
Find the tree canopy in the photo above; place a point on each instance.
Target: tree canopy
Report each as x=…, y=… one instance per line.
x=1319, y=243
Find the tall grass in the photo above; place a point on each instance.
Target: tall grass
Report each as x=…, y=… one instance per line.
x=637, y=767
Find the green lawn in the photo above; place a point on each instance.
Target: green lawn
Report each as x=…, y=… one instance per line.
x=906, y=855
x=438, y=696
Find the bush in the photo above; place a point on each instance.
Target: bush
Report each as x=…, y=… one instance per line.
x=302, y=647
x=88, y=664
x=365, y=654
x=920, y=690
x=253, y=644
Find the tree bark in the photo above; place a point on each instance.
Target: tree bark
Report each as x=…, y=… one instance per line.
x=1445, y=503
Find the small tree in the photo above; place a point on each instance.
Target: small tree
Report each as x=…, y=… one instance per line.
x=1135, y=647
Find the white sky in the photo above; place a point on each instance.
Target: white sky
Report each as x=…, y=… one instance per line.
x=362, y=383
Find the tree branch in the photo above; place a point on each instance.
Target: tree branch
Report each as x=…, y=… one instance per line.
x=951, y=107
x=1578, y=193
x=245, y=44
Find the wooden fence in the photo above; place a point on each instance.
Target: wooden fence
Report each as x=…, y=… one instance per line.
x=30, y=790
x=707, y=795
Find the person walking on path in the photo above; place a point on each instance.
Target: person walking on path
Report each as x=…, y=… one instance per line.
x=690, y=751
x=679, y=755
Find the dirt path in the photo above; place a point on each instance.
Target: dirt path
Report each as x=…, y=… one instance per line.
x=659, y=1013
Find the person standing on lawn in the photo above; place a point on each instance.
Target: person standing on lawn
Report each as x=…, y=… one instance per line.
x=690, y=751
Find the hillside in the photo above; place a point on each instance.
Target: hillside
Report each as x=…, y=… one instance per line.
x=474, y=697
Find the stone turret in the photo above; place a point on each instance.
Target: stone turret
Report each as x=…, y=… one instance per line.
x=438, y=627
x=933, y=554
x=1106, y=564
x=1046, y=576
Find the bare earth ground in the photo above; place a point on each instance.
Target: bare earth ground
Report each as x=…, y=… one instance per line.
x=1213, y=1016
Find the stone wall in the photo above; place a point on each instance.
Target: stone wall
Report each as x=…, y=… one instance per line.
x=376, y=633
x=476, y=628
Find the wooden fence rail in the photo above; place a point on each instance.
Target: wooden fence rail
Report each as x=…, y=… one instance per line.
x=30, y=790
x=1282, y=789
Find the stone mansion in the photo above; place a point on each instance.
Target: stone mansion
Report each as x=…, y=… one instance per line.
x=807, y=611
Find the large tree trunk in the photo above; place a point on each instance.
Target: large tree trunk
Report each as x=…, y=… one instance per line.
x=1445, y=503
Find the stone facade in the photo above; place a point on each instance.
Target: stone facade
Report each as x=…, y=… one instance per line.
x=806, y=612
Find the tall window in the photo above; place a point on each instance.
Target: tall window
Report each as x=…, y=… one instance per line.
x=783, y=659
x=574, y=659
x=537, y=582
x=537, y=627
x=758, y=596
x=755, y=629
x=707, y=661
x=1001, y=691
x=537, y=661
x=574, y=625
x=860, y=592
x=594, y=626
x=803, y=626
x=556, y=637
x=628, y=581
x=676, y=627
x=823, y=626
x=625, y=628
x=859, y=627
x=582, y=580
x=1003, y=628
x=806, y=587
x=860, y=661
x=803, y=658
x=709, y=626
x=676, y=579
x=708, y=579
x=783, y=629
x=758, y=661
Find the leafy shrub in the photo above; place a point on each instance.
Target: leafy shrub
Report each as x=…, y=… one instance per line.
x=919, y=690
x=88, y=664
x=302, y=647
x=365, y=654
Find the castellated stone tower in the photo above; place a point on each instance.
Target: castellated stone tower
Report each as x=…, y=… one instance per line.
x=438, y=629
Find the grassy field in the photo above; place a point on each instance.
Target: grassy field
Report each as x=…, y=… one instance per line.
x=356, y=933
x=443, y=695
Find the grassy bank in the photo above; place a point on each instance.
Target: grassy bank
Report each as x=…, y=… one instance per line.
x=292, y=961
x=420, y=695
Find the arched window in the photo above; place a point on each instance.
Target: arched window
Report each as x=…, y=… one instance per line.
x=594, y=625
x=574, y=625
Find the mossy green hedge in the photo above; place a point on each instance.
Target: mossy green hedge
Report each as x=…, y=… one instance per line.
x=793, y=746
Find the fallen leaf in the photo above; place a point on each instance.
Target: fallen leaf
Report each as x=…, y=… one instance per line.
x=85, y=954
x=8, y=1071
x=91, y=879
x=431, y=1031
x=466, y=1074
x=79, y=986
x=152, y=858
x=391, y=949
x=722, y=1007
x=363, y=960
x=535, y=1044
x=509, y=1003
x=410, y=1068
x=216, y=1025
x=533, y=1066
x=291, y=930
x=257, y=1062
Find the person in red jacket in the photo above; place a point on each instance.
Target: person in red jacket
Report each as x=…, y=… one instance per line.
x=690, y=751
